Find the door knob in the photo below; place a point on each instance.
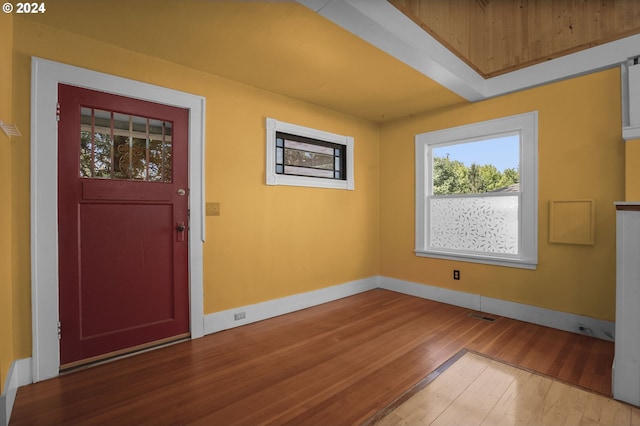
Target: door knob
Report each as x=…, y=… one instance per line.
x=180, y=227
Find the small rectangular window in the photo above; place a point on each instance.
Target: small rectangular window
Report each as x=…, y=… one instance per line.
x=301, y=156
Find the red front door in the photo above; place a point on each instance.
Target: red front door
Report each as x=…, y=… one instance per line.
x=123, y=217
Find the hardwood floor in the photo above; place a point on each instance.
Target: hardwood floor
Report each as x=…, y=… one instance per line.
x=477, y=390
x=337, y=363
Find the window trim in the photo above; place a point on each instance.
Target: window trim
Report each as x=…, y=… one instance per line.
x=526, y=125
x=273, y=178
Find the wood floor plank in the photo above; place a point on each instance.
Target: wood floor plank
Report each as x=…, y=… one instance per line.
x=478, y=399
x=554, y=409
x=604, y=411
x=336, y=363
x=525, y=398
x=521, y=401
x=439, y=395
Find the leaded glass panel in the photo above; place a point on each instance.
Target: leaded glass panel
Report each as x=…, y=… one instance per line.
x=308, y=157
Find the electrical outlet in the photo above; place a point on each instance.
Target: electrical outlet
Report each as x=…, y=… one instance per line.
x=456, y=274
x=239, y=316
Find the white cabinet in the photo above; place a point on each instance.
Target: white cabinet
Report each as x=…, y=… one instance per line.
x=626, y=364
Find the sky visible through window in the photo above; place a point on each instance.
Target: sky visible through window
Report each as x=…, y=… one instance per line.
x=503, y=152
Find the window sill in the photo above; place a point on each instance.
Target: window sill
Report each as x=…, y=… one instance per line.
x=488, y=260
x=275, y=179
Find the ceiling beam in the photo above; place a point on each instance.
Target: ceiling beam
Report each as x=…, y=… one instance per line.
x=382, y=25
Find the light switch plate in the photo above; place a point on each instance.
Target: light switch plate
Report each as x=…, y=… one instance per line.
x=213, y=209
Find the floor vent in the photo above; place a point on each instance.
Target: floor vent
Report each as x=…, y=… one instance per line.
x=481, y=317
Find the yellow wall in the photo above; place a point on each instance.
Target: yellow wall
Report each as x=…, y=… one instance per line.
x=581, y=155
x=268, y=242
x=6, y=305
x=632, y=170
x=271, y=242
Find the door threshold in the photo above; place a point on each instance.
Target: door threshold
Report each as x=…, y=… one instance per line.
x=83, y=364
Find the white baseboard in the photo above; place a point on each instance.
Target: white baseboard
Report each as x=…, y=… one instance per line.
x=438, y=294
x=224, y=320
x=19, y=374
x=601, y=329
x=574, y=323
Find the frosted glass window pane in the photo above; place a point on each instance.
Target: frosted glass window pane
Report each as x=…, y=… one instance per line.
x=480, y=224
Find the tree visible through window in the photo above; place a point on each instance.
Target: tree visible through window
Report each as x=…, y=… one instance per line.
x=121, y=146
x=476, y=196
x=453, y=174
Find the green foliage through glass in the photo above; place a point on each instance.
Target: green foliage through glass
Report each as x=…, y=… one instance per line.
x=454, y=177
x=121, y=146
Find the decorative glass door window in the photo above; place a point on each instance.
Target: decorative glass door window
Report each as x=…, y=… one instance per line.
x=300, y=156
x=122, y=146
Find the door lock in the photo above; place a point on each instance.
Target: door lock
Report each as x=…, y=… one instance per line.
x=180, y=227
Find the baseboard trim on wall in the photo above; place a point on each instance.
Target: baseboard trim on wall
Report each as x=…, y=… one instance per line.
x=19, y=375
x=574, y=323
x=225, y=320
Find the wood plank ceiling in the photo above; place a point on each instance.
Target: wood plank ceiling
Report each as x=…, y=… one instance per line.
x=498, y=36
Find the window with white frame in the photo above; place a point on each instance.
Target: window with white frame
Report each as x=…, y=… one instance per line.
x=476, y=192
x=302, y=156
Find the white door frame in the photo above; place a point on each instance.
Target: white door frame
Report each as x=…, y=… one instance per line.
x=45, y=77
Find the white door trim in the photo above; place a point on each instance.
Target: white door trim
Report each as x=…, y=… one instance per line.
x=45, y=76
